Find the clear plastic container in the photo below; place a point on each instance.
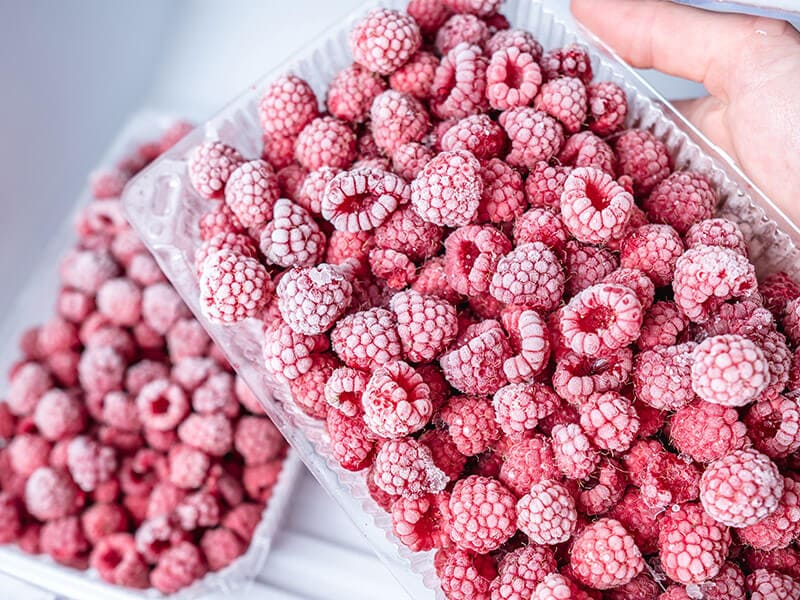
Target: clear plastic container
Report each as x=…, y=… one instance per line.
x=162, y=205
x=34, y=305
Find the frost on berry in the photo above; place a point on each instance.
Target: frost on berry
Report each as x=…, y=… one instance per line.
x=471, y=256
x=483, y=514
x=528, y=461
x=574, y=454
x=520, y=571
x=662, y=376
x=475, y=364
x=766, y=585
x=251, y=192
x=476, y=134
x=367, y=339
x=287, y=354
x=607, y=107
x=519, y=407
x=384, y=40
x=233, y=287
x=569, y=61
x=292, y=238
x=465, y=575
x=565, y=99
x=773, y=425
x=530, y=275
x=308, y=390
x=547, y=514
x=351, y=92
x=459, y=84
x=577, y=377
x=644, y=157
x=534, y=347
x=585, y=149
x=682, y=200
x=594, y=207
x=545, y=183
x=586, y=265
x=605, y=556
x=610, y=420
x=461, y=28
x=426, y=324
x=662, y=325
x=404, y=467
x=534, y=136
x=351, y=444
x=779, y=529
x=448, y=189
x=396, y=119
x=311, y=299
x=396, y=401
x=416, y=76
x=324, y=142
x=471, y=424
x=730, y=370
x=362, y=199
x=707, y=431
x=210, y=165
x=406, y=232
x=344, y=389
x=513, y=78
x=654, y=250
x=287, y=105
x=421, y=523
x=409, y=159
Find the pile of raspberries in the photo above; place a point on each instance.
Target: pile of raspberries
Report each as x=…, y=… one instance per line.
x=554, y=366
x=128, y=445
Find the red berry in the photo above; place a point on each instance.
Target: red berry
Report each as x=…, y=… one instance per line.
x=530, y=275
x=585, y=149
x=396, y=401
x=233, y=287
x=779, y=529
x=483, y=514
x=534, y=136
x=605, y=556
x=471, y=257
x=363, y=199
x=682, y=200
x=475, y=364
x=587, y=265
x=546, y=514
x=420, y=523
x=177, y=568
x=416, y=76
x=459, y=84
x=544, y=185
x=351, y=92
x=730, y=370
x=407, y=233
x=527, y=462
x=287, y=105
x=707, y=431
x=251, y=192
x=608, y=107
x=397, y=119
x=520, y=406
x=569, y=61
x=565, y=99
x=448, y=189
x=50, y=494
x=644, y=157
x=465, y=575
x=210, y=166
x=769, y=585
x=461, y=28
x=594, y=207
x=404, y=467
x=470, y=423
x=351, y=442
x=513, y=78
x=573, y=452
x=384, y=40
x=325, y=142
x=610, y=420
x=367, y=339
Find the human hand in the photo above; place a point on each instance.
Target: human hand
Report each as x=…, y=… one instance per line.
x=749, y=65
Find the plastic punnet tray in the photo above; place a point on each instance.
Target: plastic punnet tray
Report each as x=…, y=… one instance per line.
x=165, y=209
x=34, y=305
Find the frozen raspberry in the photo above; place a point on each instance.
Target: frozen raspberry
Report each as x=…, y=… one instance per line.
x=74, y=305
x=541, y=225
x=514, y=38
x=116, y=560
x=416, y=76
x=546, y=514
x=408, y=160
x=162, y=405
x=243, y=520
x=475, y=364
x=429, y=14
x=556, y=586
x=459, y=84
x=344, y=389
x=569, y=61
x=287, y=105
x=397, y=119
x=27, y=452
x=367, y=339
x=512, y=78
x=644, y=157
x=681, y=200
x=236, y=242
x=530, y=275
x=654, y=250
x=593, y=206
x=532, y=341
x=573, y=452
x=325, y=141
x=351, y=92
x=27, y=384
x=100, y=520
x=448, y=189
x=396, y=401
x=278, y=149
x=257, y=440
x=88, y=270
x=730, y=370
x=773, y=425
x=384, y=40
x=50, y=494
x=310, y=193
x=351, y=442
x=465, y=575
x=197, y=510
x=779, y=358
x=600, y=493
x=186, y=338
x=668, y=480
x=461, y=29
x=155, y=536
x=90, y=463
x=637, y=281
x=58, y=335
x=446, y=454
x=162, y=307
x=308, y=390
x=481, y=8
x=362, y=199
x=534, y=136
x=210, y=165
x=64, y=541
x=576, y=377
x=717, y=232
x=394, y=267
x=233, y=287
x=59, y=415
x=100, y=370
x=607, y=107
x=471, y=257
x=405, y=232
x=108, y=183
x=586, y=265
x=544, y=185
x=420, y=523
x=432, y=280
x=503, y=198
x=783, y=560
x=291, y=179
x=777, y=289
x=662, y=325
x=426, y=324
x=639, y=519
x=177, y=568
x=604, y=555
x=353, y=247
x=779, y=529
x=662, y=376
x=610, y=420
x=213, y=434
x=707, y=431
x=221, y=547
x=287, y=354
x=565, y=99
x=187, y=466
x=527, y=462
x=292, y=238
x=219, y=220
x=470, y=423
x=519, y=407
x=520, y=571
x=587, y=150
x=404, y=467
x=259, y=480
x=251, y=192
x=483, y=514
x=741, y=489
x=311, y=299
x=769, y=585
x=477, y=134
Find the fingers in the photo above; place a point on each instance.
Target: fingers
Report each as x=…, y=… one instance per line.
x=696, y=44
x=708, y=114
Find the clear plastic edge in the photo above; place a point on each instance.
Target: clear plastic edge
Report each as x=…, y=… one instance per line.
x=165, y=210
x=33, y=305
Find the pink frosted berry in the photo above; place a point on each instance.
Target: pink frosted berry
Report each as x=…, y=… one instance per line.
x=287, y=105
x=291, y=178
x=534, y=347
x=287, y=353
x=292, y=238
x=88, y=270
x=471, y=257
x=121, y=301
x=221, y=547
x=409, y=159
x=257, y=440
x=310, y=193
x=730, y=370
x=607, y=107
x=27, y=452
x=557, y=587
x=367, y=339
x=27, y=384
x=426, y=324
x=662, y=325
x=780, y=528
x=534, y=136
x=513, y=78
x=707, y=431
x=547, y=514
x=100, y=370
x=351, y=92
x=654, y=250
x=681, y=200
x=475, y=364
x=352, y=443
x=773, y=425
x=362, y=199
x=530, y=275
x=397, y=119
x=218, y=220
x=565, y=99
x=741, y=489
x=481, y=8
x=162, y=405
x=406, y=232
x=503, y=197
x=237, y=242
x=59, y=415
x=644, y=157
x=477, y=134
x=396, y=401
x=90, y=463
x=483, y=514
x=514, y=38
x=569, y=61
x=432, y=280
x=527, y=462
x=278, y=149
x=544, y=185
x=420, y=522
x=459, y=84
x=213, y=434
x=465, y=575
x=601, y=318
x=251, y=192
x=311, y=299
x=404, y=467
x=637, y=281
x=574, y=454
x=725, y=233
x=519, y=407
x=662, y=377
x=771, y=585
x=605, y=556
x=384, y=40
x=393, y=267
x=448, y=189
x=344, y=390
x=520, y=571
x=594, y=207
x=325, y=141
x=610, y=420
x=210, y=166
x=429, y=14
x=470, y=423
x=50, y=494
x=233, y=287
x=178, y=567
x=461, y=28
x=188, y=468
x=416, y=76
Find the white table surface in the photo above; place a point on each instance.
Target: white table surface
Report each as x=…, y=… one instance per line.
x=87, y=65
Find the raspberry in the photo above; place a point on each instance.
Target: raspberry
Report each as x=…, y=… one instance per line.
x=556, y=586
x=405, y=232
x=89, y=463
x=186, y=338
x=221, y=547
x=363, y=199
x=607, y=107
x=351, y=441
x=426, y=324
x=662, y=325
x=471, y=257
x=384, y=40
x=534, y=347
x=544, y=185
x=541, y=225
x=668, y=480
x=27, y=385
x=344, y=246
x=530, y=275
x=404, y=467
x=707, y=431
x=461, y=29
x=286, y=106
x=408, y=160
x=257, y=440
x=351, y=92
x=429, y=14
x=773, y=425
x=100, y=520
x=637, y=281
x=198, y=510
x=213, y=434
x=446, y=454
x=527, y=462
x=100, y=370
x=117, y=562
x=639, y=519
x=177, y=568
x=546, y=514
x=604, y=555
x=610, y=420
x=219, y=220
x=483, y=514
x=459, y=84
x=7, y=422
x=59, y=415
x=644, y=157
x=534, y=136
x=311, y=299
x=662, y=376
x=729, y=370
x=594, y=207
x=569, y=61
x=784, y=560
x=291, y=178
x=779, y=529
x=432, y=281
x=465, y=575
x=420, y=523
x=251, y=192
x=769, y=585
x=233, y=287
x=278, y=149
x=210, y=165
x=654, y=250
x=573, y=452
x=520, y=571
x=476, y=134
x=64, y=541
x=367, y=339
x=601, y=492
x=88, y=270
x=155, y=536
x=741, y=489
x=58, y=335
x=717, y=232
x=586, y=265
x=313, y=187
x=777, y=289
x=520, y=406
x=470, y=423
x=681, y=200
x=308, y=390
x=397, y=119
x=292, y=238
x=259, y=480
x=565, y=99
x=448, y=189
x=161, y=405
x=395, y=268
x=73, y=305
x=601, y=318
x=416, y=76
x=243, y=520
x=27, y=452
x=576, y=377
x=50, y=494
x=514, y=38
x=512, y=78
x=475, y=364
x=779, y=358
x=396, y=401
x=325, y=142
x=187, y=467
x=344, y=389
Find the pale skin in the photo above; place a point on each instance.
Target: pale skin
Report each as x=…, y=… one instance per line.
x=750, y=67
